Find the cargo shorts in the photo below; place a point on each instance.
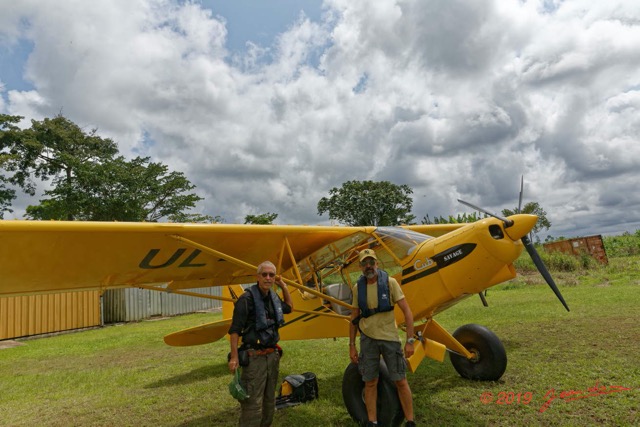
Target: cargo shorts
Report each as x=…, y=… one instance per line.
x=369, y=358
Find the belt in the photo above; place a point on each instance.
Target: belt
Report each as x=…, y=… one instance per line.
x=263, y=352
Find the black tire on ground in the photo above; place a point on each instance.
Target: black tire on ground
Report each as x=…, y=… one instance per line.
x=389, y=409
x=490, y=359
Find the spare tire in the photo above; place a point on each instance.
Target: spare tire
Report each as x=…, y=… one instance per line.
x=389, y=409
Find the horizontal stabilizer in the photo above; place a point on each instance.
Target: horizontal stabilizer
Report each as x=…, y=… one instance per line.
x=202, y=334
x=431, y=349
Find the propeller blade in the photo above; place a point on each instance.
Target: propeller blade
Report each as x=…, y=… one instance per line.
x=507, y=222
x=542, y=269
x=521, y=191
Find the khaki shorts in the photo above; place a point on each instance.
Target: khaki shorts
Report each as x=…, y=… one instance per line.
x=369, y=359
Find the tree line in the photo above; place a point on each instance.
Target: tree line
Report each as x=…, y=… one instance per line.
x=91, y=181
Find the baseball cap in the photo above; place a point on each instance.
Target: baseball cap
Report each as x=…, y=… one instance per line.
x=367, y=253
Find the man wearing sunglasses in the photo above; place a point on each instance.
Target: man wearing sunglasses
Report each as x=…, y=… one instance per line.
x=257, y=315
x=375, y=295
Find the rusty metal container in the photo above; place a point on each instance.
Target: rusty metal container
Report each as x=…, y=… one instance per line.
x=590, y=245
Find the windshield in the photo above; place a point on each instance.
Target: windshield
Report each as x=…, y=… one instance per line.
x=338, y=262
x=400, y=241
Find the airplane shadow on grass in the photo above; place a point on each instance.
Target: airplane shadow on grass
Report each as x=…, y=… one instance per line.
x=196, y=375
x=427, y=381
x=330, y=394
x=220, y=417
x=425, y=384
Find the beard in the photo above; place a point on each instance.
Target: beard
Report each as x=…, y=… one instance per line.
x=370, y=274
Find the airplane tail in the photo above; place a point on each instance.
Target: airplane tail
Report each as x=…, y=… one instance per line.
x=208, y=332
x=312, y=317
x=202, y=334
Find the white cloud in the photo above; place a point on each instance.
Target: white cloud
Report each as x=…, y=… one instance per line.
x=454, y=99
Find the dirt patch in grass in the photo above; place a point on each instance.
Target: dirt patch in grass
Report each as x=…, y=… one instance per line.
x=9, y=344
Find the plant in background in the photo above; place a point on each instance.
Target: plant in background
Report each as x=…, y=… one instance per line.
x=362, y=203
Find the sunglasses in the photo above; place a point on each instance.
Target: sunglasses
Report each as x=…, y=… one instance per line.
x=265, y=274
x=369, y=262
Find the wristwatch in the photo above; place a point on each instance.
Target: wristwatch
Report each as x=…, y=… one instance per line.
x=411, y=340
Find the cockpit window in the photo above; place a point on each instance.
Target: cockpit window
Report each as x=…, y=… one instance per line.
x=400, y=241
x=338, y=261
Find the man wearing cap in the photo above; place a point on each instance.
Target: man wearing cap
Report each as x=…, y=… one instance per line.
x=375, y=295
x=257, y=315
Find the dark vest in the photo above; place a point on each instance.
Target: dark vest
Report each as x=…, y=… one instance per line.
x=384, y=297
x=265, y=331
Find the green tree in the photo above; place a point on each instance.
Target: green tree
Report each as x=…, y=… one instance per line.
x=265, y=218
x=54, y=149
x=460, y=219
x=532, y=208
x=362, y=203
x=550, y=238
x=88, y=181
x=6, y=197
x=196, y=218
x=9, y=133
x=120, y=190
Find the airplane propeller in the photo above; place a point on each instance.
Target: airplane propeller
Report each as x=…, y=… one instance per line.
x=521, y=191
x=507, y=222
x=526, y=241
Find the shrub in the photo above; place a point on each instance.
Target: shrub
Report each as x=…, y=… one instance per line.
x=559, y=261
x=626, y=244
x=555, y=261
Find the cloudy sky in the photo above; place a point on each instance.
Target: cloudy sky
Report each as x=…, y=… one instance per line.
x=265, y=109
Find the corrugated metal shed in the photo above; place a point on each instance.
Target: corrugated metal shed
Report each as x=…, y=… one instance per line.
x=591, y=245
x=132, y=304
x=24, y=316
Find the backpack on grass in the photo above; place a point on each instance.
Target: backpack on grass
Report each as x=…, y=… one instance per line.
x=297, y=389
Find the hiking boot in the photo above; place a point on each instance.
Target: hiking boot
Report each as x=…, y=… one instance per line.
x=410, y=424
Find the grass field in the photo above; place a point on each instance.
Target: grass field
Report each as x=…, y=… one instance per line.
x=567, y=369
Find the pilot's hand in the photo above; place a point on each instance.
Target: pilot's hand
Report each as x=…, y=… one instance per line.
x=233, y=364
x=280, y=282
x=353, y=353
x=408, y=350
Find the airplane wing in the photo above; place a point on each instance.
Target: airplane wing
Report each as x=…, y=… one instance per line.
x=434, y=230
x=53, y=256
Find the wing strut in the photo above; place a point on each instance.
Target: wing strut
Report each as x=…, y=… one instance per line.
x=188, y=293
x=293, y=259
x=386, y=248
x=254, y=267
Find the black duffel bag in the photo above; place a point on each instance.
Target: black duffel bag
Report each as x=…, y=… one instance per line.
x=297, y=389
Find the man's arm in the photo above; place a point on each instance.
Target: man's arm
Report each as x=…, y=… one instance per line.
x=353, y=350
x=285, y=291
x=408, y=318
x=233, y=360
x=238, y=320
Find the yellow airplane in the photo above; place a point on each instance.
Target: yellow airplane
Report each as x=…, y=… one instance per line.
x=437, y=266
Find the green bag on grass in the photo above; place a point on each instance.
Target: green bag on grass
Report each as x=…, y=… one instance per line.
x=235, y=388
